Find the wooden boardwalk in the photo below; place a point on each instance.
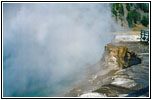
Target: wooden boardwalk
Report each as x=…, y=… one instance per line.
x=144, y=36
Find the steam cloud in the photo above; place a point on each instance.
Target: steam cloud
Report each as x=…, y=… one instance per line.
x=45, y=46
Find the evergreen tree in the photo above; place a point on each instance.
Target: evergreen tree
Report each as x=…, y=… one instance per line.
x=129, y=19
x=136, y=16
x=145, y=20
x=121, y=10
x=128, y=5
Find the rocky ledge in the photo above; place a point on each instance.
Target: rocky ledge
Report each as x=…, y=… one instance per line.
x=123, y=71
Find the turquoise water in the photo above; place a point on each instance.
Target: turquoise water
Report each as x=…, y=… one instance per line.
x=46, y=45
x=58, y=89
x=34, y=86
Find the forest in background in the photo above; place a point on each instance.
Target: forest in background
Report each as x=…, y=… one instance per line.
x=132, y=15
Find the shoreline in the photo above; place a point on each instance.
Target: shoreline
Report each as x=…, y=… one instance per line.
x=116, y=80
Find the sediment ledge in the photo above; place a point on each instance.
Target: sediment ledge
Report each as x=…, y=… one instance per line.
x=124, y=72
x=119, y=57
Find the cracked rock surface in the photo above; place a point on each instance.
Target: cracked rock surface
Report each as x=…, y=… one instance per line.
x=122, y=72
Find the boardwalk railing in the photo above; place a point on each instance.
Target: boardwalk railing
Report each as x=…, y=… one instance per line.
x=144, y=36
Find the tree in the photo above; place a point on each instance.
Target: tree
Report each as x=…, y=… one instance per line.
x=117, y=6
x=129, y=19
x=142, y=6
x=114, y=12
x=146, y=7
x=128, y=5
x=136, y=16
x=121, y=10
x=132, y=17
x=145, y=20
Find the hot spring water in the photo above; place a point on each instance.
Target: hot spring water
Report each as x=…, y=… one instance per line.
x=46, y=46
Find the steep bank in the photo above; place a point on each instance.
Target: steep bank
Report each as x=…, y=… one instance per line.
x=133, y=80
x=122, y=71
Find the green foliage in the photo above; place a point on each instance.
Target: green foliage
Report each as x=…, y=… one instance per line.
x=142, y=6
x=128, y=5
x=121, y=10
x=135, y=12
x=146, y=7
x=136, y=16
x=132, y=17
x=145, y=20
x=114, y=12
x=129, y=19
x=117, y=7
x=131, y=4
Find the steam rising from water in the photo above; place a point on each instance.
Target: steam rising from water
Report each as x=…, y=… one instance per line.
x=46, y=46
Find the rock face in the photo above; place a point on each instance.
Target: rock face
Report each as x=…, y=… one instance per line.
x=123, y=71
x=131, y=79
x=119, y=57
